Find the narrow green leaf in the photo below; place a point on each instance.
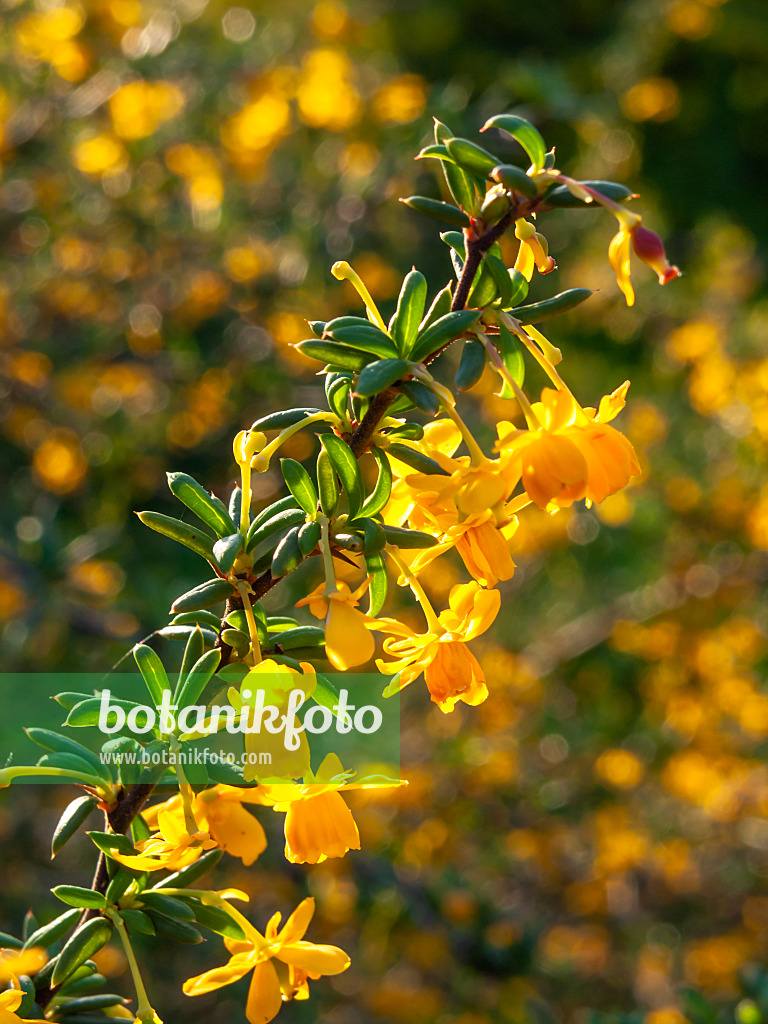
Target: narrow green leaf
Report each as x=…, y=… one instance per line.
x=326, y=693
x=207, y=507
x=519, y=286
x=281, y=521
x=415, y=459
x=437, y=210
x=235, y=504
x=471, y=366
x=172, y=928
x=76, y=896
x=217, y=920
x=562, y=198
x=367, y=339
x=522, y=131
x=343, y=356
x=198, y=678
x=87, y=711
x=484, y=291
x=347, y=469
x=282, y=419
x=500, y=274
x=47, y=934
x=300, y=636
x=471, y=157
x=441, y=304
x=109, y=841
x=73, y=763
x=287, y=554
x=88, y=1004
x=404, y=538
x=536, y=312
x=379, y=496
x=410, y=311
x=374, y=537
x=138, y=921
x=421, y=396
x=443, y=331
x=459, y=183
x=300, y=485
x=193, y=651
x=379, y=376
x=86, y=941
x=515, y=179
x=327, y=484
x=152, y=671
x=309, y=535
x=226, y=550
x=337, y=391
x=349, y=541
x=199, y=618
x=203, y=596
x=119, y=884
x=282, y=505
x=377, y=591
x=186, y=876
x=167, y=905
x=71, y=821
x=54, y=741
x=182, y=533
x=511, y=354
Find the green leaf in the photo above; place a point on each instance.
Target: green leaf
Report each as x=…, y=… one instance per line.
x=300, y=636
x=368, y=339
x=519, y=286
x=441, y=304
x=376, y=568
x=379, y=376
x=74, y=817
x=47, y=934
x=536, y=312
x=512, y=357
x=374, y=537
x=87, y=711
x=561, y=198
x=300, y=485
x=435, y=152
x=484, y=291
x=193, y=651
x=235, y=503
x=217, y=920
x=172, y=928
x=501, y=278
x=287, y=554
x=471, y=157
x=282, y=505
x=76, y=896
x=515, y=179
x=182, y=533
x=73, y=763
x=334, y=352
x=167, y=905
x=226, y=550
x=415, y=459
x=86, y=941
x=88, y=1004
x=138, y=921
x=309, y=535
x=410, y=311
x=437, y=210
x=203, y=596
x=404, y=538
x=443, y=331
x=379, y=496
x=186, y=876
x=108, y=842
x=201, y=618
x=349, y=541
x=421, y=396
x=207, y=507
x=522, y=131
x=54, y=741
x=259, y=532
x=119, y=884
x=459, y=183
x=198, y=678
x=327, y=484
x=9, y=941
x=282, y=419
x=348, y=471
x=337, y=387
x=152, y=671
x=326, y=693
x=471, y=365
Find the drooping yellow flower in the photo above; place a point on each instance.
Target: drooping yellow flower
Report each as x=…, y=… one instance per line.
x=647, y=246
x=482, y=545
x=347, y=640
x=318, y=823
x=219, y=811
x=573, y=454
x=281, y=962
x=451, y=671
x=170, y=848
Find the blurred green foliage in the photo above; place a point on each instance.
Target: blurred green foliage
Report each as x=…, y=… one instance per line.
x=177, y=179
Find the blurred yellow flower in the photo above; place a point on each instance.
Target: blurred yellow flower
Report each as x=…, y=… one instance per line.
x=139, y=108
x=325, y=94
x=620, y=768
x=400, y=100
x=97, y=154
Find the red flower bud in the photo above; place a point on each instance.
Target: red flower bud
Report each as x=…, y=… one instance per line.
x=650, y=249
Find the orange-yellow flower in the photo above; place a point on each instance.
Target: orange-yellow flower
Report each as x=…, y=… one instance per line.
x=318, y=823
x=647, y=246
x=170, y=848
x=451, y=671
x=14, y=962
x=281, y=962
x=347, y=640
x=573, y=454
x=219, y=811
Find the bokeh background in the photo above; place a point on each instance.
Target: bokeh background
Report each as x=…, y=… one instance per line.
x=177, y=178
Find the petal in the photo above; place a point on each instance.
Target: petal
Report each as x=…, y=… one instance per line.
x=218, y=977
x=314, y=959
x=348, y=641
x=264, y=995
x=236, y=831
x=297, y=924
x=318, y=828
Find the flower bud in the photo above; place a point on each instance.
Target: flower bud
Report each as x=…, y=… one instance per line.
x=650, y=249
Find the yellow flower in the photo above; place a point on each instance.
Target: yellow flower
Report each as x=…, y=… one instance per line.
x=318, y=823
x=574, y=454
x=647, y=246
x=347, y=640
x=170, y=848
x=12, y=963
x=273, y=983
x=482, y=545
x=451, y=671
x=220, y=812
